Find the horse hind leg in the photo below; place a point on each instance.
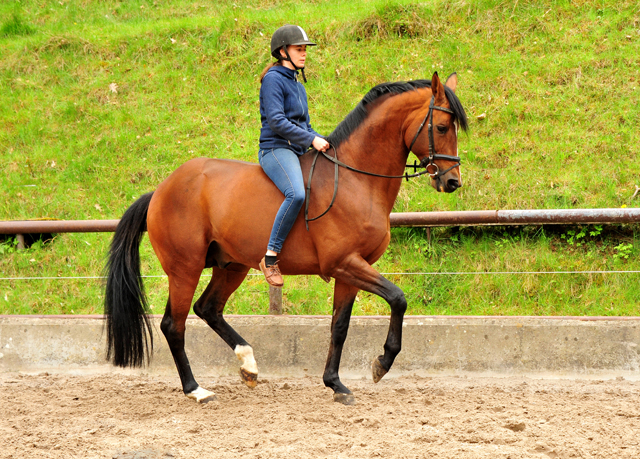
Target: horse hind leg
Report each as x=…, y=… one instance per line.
x=209, y=308
x=173, y=326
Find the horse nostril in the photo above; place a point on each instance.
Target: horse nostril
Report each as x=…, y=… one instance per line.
x=453, y=184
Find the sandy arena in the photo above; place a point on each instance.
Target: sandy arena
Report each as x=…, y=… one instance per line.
x=148, y=417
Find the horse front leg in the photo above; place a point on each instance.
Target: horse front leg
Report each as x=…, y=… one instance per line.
x=392, y=346
x=359, y=273
x=343, y=298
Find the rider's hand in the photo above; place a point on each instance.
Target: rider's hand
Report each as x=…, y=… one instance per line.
x=320, y=144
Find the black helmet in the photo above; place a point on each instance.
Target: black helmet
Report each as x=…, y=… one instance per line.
x=288, y=35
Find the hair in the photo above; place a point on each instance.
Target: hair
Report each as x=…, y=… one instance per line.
x=129, y=330
x=356, y=117
x=268, y=67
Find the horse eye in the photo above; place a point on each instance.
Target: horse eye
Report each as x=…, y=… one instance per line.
x=442, y=129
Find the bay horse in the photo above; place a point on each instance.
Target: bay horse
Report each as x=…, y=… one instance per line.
x=217, y=213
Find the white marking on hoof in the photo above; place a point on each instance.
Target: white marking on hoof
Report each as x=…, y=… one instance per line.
x=201, y=395
x=245, y=355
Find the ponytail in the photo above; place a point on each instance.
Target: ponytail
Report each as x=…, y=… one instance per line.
x=268, y=67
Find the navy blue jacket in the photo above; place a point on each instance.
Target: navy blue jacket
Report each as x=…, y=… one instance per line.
x=284, y=112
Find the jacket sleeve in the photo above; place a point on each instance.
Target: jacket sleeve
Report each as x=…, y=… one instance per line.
x=273, y=104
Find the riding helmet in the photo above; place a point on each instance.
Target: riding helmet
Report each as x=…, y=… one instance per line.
x=288, y=35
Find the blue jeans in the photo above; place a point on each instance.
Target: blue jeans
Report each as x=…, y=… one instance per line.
x=283, y=168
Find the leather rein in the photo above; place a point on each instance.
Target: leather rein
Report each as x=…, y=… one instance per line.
x=425, y=164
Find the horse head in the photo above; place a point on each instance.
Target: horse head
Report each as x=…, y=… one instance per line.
x=433, y=134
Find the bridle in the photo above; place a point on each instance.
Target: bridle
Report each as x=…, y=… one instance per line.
x=425, y=163
x=432, y=146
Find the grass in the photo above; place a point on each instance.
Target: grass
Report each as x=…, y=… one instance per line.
x=100, y=101
x=460, y=261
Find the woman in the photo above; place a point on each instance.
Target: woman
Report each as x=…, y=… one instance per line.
x=285, y=135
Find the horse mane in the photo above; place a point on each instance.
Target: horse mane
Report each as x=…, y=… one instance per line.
x=357, y=116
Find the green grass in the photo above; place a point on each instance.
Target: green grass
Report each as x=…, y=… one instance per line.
x=456, y=259
x=14, y=27
x=100, y=101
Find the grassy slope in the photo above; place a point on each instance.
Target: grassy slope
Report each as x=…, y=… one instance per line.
x=558, y=83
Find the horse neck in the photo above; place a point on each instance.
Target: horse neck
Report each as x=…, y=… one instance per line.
x=378, y=145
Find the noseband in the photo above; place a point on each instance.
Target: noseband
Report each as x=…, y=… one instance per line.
x=425, y=163
x=429, y=161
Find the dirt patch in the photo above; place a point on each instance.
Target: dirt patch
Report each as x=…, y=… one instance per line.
x=148, y=417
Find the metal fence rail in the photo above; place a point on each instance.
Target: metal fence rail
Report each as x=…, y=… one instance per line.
x=516, y=217
x=57, y=226
x=398, y=219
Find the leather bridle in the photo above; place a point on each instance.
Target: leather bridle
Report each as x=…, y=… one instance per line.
x=425, y=163
x=429, y=161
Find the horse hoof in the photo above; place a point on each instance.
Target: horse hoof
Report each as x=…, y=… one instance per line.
x=345, y=399
x=201, y=395
x=250, y=379
x=377, y=370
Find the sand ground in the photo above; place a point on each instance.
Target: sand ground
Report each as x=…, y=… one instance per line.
x=143, y=416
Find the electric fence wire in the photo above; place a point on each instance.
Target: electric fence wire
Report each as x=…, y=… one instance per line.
x=462, y=273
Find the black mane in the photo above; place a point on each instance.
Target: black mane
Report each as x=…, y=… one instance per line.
x=358, y=114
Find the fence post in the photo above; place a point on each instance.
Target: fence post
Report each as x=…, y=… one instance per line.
x=20, y=239
x=275, y=300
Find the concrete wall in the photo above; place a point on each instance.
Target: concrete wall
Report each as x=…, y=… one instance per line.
x=297, y=346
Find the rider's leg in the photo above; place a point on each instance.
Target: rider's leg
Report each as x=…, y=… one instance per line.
x=283, y=168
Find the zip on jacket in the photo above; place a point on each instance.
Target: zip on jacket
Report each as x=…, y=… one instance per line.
x=284, y=112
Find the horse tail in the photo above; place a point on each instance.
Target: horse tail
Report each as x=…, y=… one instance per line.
x=125, y=303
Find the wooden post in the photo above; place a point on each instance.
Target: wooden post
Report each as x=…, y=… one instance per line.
x=20, y=239
x=275, y=300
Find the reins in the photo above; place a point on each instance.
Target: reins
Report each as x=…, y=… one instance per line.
x=339, y=164
x=425, y=163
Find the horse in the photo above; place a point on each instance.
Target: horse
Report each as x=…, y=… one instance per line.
x=217, y=213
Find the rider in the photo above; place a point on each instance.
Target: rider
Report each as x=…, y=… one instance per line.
x=285, y=135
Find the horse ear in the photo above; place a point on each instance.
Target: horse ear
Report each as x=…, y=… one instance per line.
x=437, y=89
x=452, y=81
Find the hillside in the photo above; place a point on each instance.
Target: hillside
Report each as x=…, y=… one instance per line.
x=100, y=101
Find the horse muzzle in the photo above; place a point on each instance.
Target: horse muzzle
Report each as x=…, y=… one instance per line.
x=446, y=185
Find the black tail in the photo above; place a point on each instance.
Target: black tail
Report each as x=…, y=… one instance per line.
x=125, y=304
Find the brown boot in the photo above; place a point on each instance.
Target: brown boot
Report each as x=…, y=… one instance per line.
x=272, y=274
